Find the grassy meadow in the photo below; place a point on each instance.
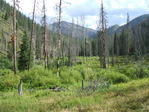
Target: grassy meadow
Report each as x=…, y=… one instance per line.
x=122, y=88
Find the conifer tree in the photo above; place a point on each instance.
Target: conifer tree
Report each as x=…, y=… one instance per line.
x=23, y=59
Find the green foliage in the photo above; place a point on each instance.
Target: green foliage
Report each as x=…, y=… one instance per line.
x=87, y=74
x=24, y=53
x=8, y=81
x=39, y=78
x=5, y=63
x=70, y=76
x=123, y=42
x=112, y=76
x=142, y=72
x=129, y=72
x=5, y=71
x=6, y=16
x=101, y=86
x=16, y=103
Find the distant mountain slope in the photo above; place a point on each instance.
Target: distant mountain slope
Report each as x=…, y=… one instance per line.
x=112, y=30
x=66, y=28
x=77, y=29
x=133, y=23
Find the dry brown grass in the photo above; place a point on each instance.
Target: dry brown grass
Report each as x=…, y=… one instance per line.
x=129, y=97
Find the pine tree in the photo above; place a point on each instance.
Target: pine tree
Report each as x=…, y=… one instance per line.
x=23, y=59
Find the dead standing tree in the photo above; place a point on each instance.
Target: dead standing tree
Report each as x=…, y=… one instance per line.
x=71, y=52
x=59, y=36
x=128, y=39
x=102, y=37
x=44, y=35
x=83, y=35
x=32, y=35
x=14, y=36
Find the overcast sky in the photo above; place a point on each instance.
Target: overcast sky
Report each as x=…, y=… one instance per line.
x=116, y=10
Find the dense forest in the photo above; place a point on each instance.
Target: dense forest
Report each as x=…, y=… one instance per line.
x=66, y=66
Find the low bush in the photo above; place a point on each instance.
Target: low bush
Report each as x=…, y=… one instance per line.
x=5, y=71
x=5, y=63
x=112, y=76
x=129, y=72
x=9, y=82
x=39, y=78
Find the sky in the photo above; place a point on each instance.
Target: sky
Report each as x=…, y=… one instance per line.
x=116, y=10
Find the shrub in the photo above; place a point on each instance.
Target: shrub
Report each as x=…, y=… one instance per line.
x=87, y=74
x=5, y=63
x=5, y=71
x=39, y=78
x=66, y=78
x=142, y=73
x=112, y=76
x=9, y=82
x=130, y=72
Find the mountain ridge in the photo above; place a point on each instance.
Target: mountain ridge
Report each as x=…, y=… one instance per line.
x=91, y=33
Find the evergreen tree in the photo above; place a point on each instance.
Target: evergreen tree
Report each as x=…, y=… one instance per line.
x=23, y=59
x=123, y=40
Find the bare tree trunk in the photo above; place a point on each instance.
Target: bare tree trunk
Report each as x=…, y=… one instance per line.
x=85, y=45
x=45, y=36
x=128, y=39
x=59, y=37
x=100, y=49
x=113, y=55
x=83, y=35
x=69, y=50
x=32, y=35
x=14, y=38
x=117, y=51
x=103, y=37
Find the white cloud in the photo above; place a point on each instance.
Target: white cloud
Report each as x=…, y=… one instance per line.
x=116, y=10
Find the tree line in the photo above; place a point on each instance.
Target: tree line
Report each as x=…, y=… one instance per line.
x=28, y=43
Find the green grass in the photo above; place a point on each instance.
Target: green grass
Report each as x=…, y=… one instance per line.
x=131, y=96
x=127, y=92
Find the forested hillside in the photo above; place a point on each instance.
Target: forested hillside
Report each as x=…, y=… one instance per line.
x=65, y=66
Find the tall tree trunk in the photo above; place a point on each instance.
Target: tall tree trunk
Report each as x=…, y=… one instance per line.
x=32, y=35
x=83, y=35
x=103, y=37
x=71, y=45
x=128, y=39
x=69, y=49
x=59, y=38
x=117, y=50
x=14, y=38
x=45, y=36
x=113, y=55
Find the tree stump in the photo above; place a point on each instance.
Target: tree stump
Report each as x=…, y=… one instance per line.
x=20, y=88
x=82, y=84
